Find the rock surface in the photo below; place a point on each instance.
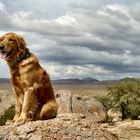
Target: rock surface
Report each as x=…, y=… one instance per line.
x=125, y=130
x=87, y=105
x=116, y=116
x=6, y=101
x=63, y=127
x=64, y=98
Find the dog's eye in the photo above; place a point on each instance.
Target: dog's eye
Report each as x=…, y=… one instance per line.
x=10, y=39
x=1, y=39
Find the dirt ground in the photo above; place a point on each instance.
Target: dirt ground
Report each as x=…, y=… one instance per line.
x=95, y=90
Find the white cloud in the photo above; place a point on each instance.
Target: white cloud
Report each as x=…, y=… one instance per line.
x=68, y=71
x=118, y=8
x=2, y=7
x=66, y=20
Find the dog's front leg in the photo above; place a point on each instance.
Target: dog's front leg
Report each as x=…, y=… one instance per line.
x=18, y=107
x=28, y=102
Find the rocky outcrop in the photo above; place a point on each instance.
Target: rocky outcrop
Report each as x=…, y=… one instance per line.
x=6, y=101
x=125, y=130
x=64, y=100
x=115, y=116
x=63, y=127
x=87, y=105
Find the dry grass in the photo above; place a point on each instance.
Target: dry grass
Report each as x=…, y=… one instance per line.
x=95, y=90
x=6, y=87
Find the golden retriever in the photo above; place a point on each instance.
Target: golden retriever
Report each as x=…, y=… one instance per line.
x=34, y=96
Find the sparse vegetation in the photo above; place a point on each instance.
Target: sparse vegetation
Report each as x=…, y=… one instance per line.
x=125, y=97
x=8, y=115
x=105, y=100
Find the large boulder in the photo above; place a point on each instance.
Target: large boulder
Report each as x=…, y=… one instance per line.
x=64, y=98
x=87, y=105
x=63, y=127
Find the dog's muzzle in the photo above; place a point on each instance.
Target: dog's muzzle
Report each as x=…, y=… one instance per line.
x=1, y=48
x=3, y=53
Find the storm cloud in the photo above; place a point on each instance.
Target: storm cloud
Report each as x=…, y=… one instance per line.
x=98, y=39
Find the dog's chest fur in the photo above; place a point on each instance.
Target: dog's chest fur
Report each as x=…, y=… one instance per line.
x=23, y=73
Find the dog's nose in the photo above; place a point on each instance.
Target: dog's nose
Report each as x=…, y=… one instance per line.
x=1, y=47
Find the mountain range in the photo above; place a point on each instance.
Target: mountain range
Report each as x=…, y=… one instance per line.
x=83, y=81
x=71, y=81
x=4, y=80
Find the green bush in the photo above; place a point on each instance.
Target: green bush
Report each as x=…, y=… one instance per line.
x=125, y=97
x=8, y=115
x=105, y=100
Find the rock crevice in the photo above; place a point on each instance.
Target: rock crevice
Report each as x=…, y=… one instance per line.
x=87, y=105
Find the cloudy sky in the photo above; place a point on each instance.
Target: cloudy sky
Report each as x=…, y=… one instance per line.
x=77, y=38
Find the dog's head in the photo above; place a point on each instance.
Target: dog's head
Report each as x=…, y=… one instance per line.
x=11, y=46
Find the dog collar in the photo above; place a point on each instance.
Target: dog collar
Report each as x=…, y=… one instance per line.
x=26, y=55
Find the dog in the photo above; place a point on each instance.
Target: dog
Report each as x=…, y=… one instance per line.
x=34, y=95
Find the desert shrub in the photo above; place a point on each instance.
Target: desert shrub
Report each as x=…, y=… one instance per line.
x=8, y=115
x=105, y=100
x=125, y=97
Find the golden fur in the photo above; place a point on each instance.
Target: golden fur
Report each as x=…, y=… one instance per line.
x=34, y=96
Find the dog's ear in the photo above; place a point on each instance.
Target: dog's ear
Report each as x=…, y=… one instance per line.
x=21, y=43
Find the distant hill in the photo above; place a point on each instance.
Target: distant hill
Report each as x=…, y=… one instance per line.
x=75, y=81
x=129, y=79
x=4, y=80
x=85, y=81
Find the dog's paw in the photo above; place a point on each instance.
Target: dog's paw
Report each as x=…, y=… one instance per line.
x=21, y=121
x=9, y=122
